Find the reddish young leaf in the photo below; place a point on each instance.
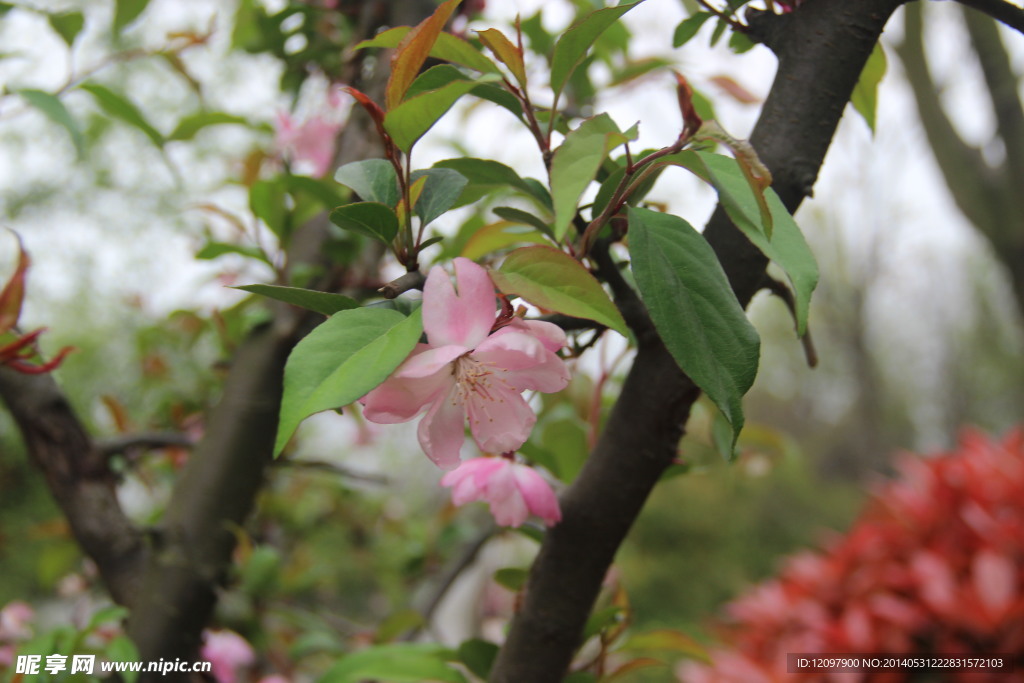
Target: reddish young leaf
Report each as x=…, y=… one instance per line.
x=691, y=121
x=13, y=293
x=413, y=51
x=507, y=53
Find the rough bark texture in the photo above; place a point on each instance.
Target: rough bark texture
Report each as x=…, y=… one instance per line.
x=822, y=49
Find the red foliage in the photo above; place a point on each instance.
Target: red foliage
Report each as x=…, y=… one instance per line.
x=934, y=566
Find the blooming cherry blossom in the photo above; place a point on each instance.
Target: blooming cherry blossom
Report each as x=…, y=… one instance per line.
x=469, y=369
x=513, y=491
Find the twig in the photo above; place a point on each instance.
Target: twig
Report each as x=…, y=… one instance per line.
x=323, y=466
x=145, y=441
x=783, y=292
x=414, y=279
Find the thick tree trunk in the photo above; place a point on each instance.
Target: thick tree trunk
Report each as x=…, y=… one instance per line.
x=822, y=49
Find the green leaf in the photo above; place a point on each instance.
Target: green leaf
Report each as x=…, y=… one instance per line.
x=572, y=47
x=412, y=51
x=127, y=11
x=395, y=663
x=865, y=95
x=694, y=309
x=5, y=7
x=575, y=164
x=189, y=125
x=498, y=236
x=409, y=121
x=478, y=656
x=374, y=180
x=320, y=189
x=212, y=250
x=688, y=28
x=740, y=43
x=512, y=578
x=439, y=194
x=326, y=303
x=341, y=360
x=552, y=279
x=448, y=47
x=121, y=108
x=486, y=172
x=267, y=202
x=716, y=35
x=367, y=218
x=53, y=108
x=67, y=25
x=107, y=615
x=510, y=213
x=786, y=247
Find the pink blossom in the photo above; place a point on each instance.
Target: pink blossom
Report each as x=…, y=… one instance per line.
x=227, y=652
x=513, y=491
x=468, y=369
x=14, y=621
x=309, y=145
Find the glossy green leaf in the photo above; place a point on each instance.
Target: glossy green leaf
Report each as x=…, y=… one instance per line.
x=120, y=107
x=510, y=213
x=326, y=303
x=53, y=108
x=497, y=236
x=341, y=360
x=575, y=164
x=694, y=309
x=552, y=279
x=786, y=247
x=688, y=28
x=865, y=94
x=127, y=11
x=448, y=47
x=486, y=172
x=439, y=194
x=193, y=123
x=396, y=663
x=67, y=25
x=572, y=47
x=478, y=656
x=367, y=218
x=412, y=52
x=322, y=190
x=106, y=615
x=374, y=180
x=410, y=120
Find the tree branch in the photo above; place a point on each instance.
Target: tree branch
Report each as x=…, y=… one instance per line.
x=79, y=478
x=969, y=178
x=821, y=50
x=1011, y=15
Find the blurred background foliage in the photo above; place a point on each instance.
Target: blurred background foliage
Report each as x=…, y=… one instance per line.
x=916, y=323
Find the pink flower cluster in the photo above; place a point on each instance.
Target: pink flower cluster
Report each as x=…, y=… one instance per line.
x=935, y=565
x=475, y=366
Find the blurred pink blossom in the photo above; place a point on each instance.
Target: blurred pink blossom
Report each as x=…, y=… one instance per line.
x=227, y=652
x=309, y=144
x=468, y=368
x=513, y=491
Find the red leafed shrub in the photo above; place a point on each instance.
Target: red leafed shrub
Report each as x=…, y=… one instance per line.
x=933, y=566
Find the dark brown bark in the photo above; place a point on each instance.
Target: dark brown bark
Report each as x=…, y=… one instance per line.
x=822, y=49
x=78, y=476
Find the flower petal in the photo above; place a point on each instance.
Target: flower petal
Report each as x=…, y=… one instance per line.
x=550, y=376
x=429, y=361
x=500, y=422
x=443, y=429
x=464, y=318
x=469, y=481
x=400, y=399
x=551, y=335
x=539, y=497
x=507, y=505
x=511, y=349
